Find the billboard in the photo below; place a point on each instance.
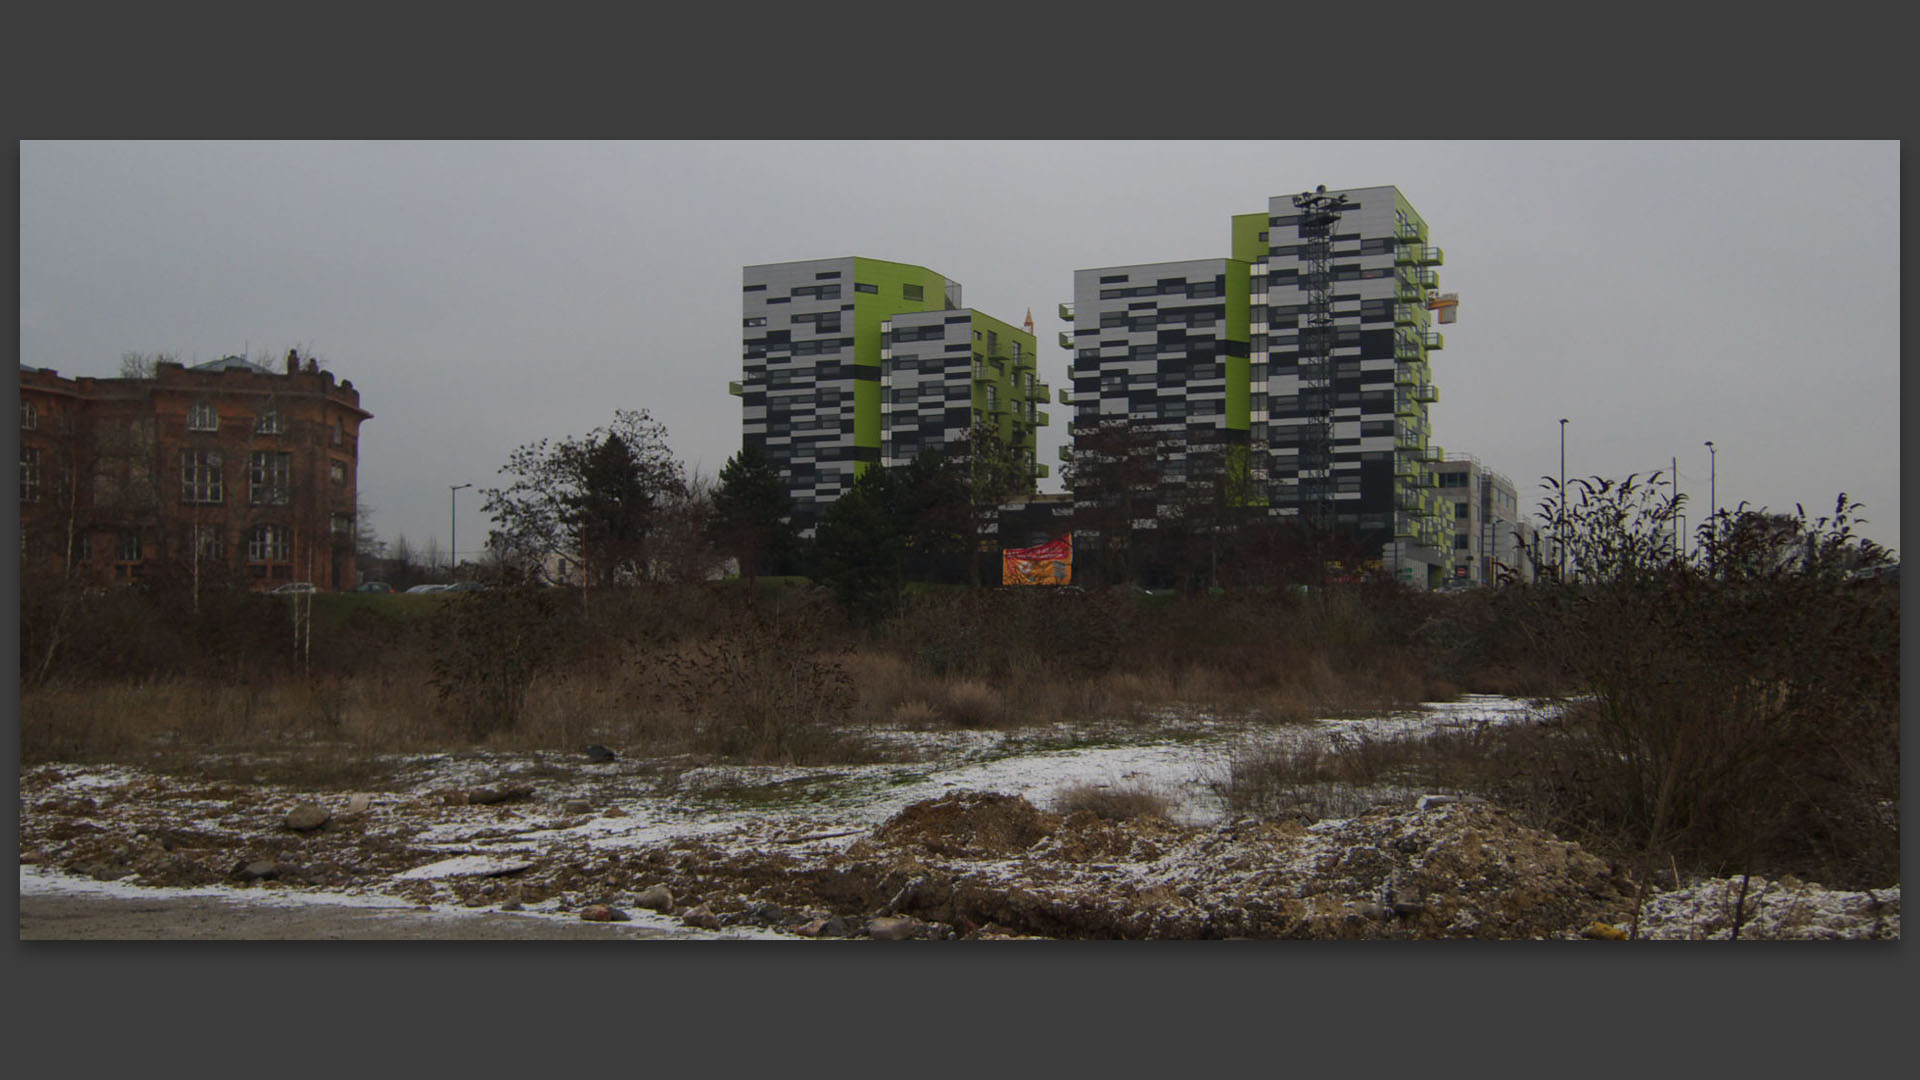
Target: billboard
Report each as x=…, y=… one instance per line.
x=1050, y=563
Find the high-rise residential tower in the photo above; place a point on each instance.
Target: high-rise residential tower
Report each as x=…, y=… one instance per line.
x=1313, y=355
x=1162, y=347
x=850, y=362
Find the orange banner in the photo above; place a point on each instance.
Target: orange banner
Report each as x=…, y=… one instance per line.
x=1047, y=564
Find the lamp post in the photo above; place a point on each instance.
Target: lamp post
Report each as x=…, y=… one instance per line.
x=453, y=527
x=1560, y=540
x=1713, y=505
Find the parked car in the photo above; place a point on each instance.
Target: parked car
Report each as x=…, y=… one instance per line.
x=427, y=588
x=296, y=587
x=465, y=586
x=372, y=587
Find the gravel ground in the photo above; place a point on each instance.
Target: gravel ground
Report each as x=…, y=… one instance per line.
x=92, y=917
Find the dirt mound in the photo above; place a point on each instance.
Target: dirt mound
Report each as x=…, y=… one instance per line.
x=969, y=825
x=981, y=864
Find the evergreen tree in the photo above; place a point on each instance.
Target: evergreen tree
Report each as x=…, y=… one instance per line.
x=859, y=547
x=752, y=515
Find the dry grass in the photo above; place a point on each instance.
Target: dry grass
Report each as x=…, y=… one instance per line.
x=1319, y=780
x=914, y=715
x=1113, y=803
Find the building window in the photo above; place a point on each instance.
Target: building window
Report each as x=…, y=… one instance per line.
x=269, y=543
x=29, y=416
x=129, y=547
x=342, y=524
x=339, y=432
x=29, y=474
x=913, y=292
x=337, y=471
x=269, y=478
x=269, y=423
x=200, y=476
x=207, y=545
x=203, y=417
x=757, y=320
x=858, y=287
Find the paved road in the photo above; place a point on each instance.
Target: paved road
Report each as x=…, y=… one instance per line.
x=79, y=916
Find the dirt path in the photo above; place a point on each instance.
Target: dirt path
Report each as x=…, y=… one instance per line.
x=75, y=917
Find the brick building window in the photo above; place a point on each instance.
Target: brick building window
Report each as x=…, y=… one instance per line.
x=337, y=471
x=270, y=423
x=208, y=544
x=269, y=478
x=203, y=417
x=269, y=543
x=29, y=416
x=339, y=433
x=343, y=525
x=129, y=547
x=200, y=480
x=29, y=474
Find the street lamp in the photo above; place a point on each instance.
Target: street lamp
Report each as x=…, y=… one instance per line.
x=453, y=528
x=1561, y=539
x=1713, y=503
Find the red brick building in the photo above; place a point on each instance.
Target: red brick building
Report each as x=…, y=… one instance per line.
x=225, y=471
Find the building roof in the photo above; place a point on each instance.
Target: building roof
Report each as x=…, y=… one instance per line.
x=229, y=363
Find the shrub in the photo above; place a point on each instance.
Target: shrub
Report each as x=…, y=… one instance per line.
x=970, y=703
x=762, y=693
x=1740, y=709
x=488, y=648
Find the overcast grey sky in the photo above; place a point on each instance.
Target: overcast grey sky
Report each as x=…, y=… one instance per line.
x=484, y=295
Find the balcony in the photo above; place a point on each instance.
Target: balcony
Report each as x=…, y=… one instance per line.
x=1041, y=471
x=735, y=389
x=1427, y=393
x=1403, y=527
x=1409, y=314
x=1432, y=452
x=1410, y=232
x=1066, y=340
x=1427, y=279
x=1066, y=312
x=1066, y=396
x=1427, y=255
x=1406, y=466
x=1410, y=373
x=1042, y=420
x=1436, y=340
x=1405, y=405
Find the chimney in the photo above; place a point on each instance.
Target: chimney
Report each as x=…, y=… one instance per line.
x=293, y=361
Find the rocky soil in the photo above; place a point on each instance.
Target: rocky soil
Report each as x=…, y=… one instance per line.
x=964, y=864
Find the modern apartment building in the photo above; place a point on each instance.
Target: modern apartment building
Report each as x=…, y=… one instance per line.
x=1163, y=346
x=221, y=471
x=850, y=362
x=1309, y=345
x=1488, y=530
